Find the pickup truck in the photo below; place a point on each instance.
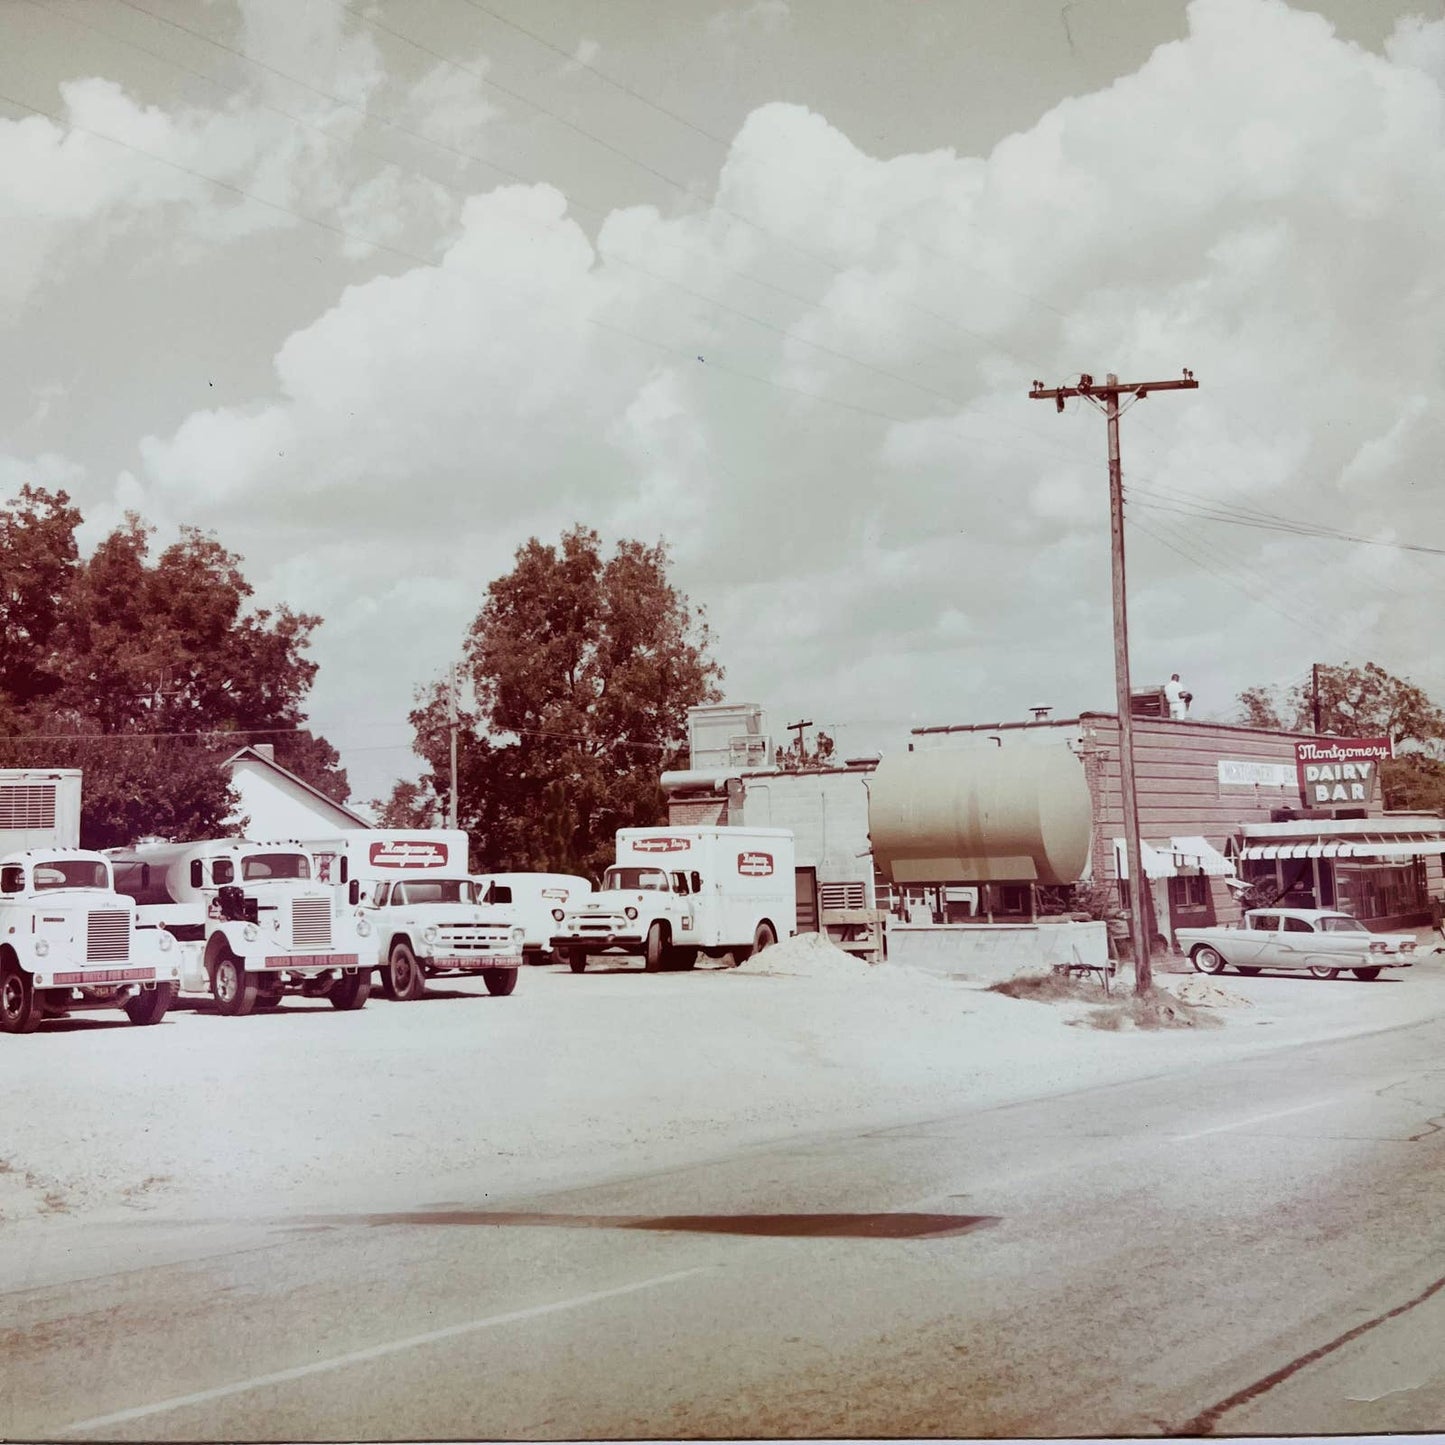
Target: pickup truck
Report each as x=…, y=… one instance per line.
x=1317, y=940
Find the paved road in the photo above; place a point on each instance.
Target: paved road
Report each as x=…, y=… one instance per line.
x=1241, y=1248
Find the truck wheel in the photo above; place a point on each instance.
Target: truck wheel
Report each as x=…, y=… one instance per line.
x=765, y=937
x=655, y=959
x=150, y=1005
x=19, y=1007
x=500, y=981
x=574, y=958
x=1207, y=960
x=1366, y=975
x=351, y=990
x=681, y=959
x=1321, y=970
x=404, y=979
x=233, y=987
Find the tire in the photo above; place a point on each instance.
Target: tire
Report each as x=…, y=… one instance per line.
x=150, y=1005
x=500, y=981
x=1366, y=975
x=1320, y=970
x=765, y=937
x=680, y=959
x=1249, y=972
x=402, y=978
x=575, y=959
x=654, y=960
x=233, y=987
x=351, y=990
x=19, y=1007
x=1207, y=960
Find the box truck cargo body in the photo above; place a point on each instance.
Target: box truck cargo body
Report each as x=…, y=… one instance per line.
x=423, y=908
x=253, y=920
x=68, y=940
x=537, y=902
x=676, y=891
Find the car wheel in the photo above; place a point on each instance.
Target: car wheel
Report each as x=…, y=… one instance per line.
x=1207, y=960
x=500, y=981
x=150, y=1005
x=19, y=1008
x=1320, y=970
x=1367, y=975
x=655, y=958
x=233, y=987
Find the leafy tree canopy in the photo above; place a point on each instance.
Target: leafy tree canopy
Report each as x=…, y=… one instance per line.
x=145, y=672
x=580, y=670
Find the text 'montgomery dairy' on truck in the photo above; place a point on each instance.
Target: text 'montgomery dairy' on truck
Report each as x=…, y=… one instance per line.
x=676, y=891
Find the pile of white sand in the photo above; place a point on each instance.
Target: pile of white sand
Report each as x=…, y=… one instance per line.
x=808, y=955
x=1205, y=993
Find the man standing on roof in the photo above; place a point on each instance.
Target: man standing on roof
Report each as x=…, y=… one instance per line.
x=1177, y=698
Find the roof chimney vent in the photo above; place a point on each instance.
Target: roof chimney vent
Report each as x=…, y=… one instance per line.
x=1041, y=713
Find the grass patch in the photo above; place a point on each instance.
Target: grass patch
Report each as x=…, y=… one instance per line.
x=1051, y=988
x=1153, y=1010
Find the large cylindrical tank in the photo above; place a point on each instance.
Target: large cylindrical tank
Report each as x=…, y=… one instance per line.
x=981, y=815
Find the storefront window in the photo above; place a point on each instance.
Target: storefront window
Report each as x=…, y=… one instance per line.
x=1380, y=890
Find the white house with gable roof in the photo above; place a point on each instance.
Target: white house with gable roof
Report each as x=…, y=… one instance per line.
x=278, y=804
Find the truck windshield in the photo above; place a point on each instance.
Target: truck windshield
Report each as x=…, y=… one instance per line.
x=260, y=866
x=435, y=890
x=71, y=873
x=648, y=878
x=1340, y=923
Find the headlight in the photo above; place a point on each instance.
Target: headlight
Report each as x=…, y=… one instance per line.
x=41, y=948
x=518, y=937
x=250, y=933
x=429, y=934
x=558, y=914
x=363, y=928
x=630, y=911
x=166, y=941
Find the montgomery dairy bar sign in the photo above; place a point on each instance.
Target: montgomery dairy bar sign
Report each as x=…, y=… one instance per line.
x=1340, y=771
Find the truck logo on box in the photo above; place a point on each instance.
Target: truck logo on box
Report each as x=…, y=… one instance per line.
x=755, y=865
x=660, y=845
x=411, y=854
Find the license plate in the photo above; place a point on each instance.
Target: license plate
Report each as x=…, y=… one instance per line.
x=311, y=960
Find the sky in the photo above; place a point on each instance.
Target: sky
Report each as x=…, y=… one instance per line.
x=378, y=291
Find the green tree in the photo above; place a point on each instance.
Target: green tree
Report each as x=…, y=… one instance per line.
x=145, y=673
x=580, y=670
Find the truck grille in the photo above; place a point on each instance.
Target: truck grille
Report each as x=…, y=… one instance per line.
x=311, y=923
x=600, y=924
x=107, y=936
x=479, y=937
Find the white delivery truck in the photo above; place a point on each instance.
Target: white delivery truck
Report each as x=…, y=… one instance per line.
x=675, y=891
x=537, y=902
x=252, y=920
x=422, y=906
x=68, y=940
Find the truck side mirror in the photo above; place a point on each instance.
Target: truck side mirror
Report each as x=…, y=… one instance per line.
x=353, y=891
x=195, y=873
x=345, y=871
x=145, y=875
x=696, y=882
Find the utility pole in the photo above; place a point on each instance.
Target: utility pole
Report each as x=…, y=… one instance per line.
x=1106, y=399
x=1315, y=694
x=798, y=727
x=452, y=728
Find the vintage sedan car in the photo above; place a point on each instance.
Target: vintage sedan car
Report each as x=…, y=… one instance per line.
x=1318, y=940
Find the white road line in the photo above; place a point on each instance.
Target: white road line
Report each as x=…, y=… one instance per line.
x=376, y=1352
x=1255, y=1119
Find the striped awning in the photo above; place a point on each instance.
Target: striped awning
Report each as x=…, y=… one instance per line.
x=1387, y=845
x=1185, y=855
